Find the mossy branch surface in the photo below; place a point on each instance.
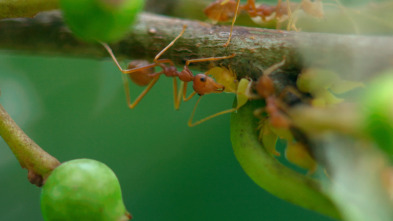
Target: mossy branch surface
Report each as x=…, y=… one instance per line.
x=23, y=8
x=255, y=48
x=30, y=156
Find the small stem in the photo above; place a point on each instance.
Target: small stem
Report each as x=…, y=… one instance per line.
x=30, y=156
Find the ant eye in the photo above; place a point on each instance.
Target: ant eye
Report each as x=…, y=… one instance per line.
x=202, y=79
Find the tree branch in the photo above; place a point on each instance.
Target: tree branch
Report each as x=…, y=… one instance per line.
x=255, y=48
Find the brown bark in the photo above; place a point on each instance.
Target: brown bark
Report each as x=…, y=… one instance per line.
x=255, y=48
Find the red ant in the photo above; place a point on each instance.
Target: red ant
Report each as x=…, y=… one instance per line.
x=296, y=152
x=266, y=90
x=222, y=10
x=142, y=73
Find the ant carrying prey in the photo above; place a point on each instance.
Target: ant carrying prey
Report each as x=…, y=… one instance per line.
x=142, y=73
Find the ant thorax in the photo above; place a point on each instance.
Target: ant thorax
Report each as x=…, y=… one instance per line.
x=169, y=71
x=186, y=75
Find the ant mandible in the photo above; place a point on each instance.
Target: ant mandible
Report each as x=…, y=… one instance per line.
x=142, y=73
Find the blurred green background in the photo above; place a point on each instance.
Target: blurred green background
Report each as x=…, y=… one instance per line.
x=75, y=108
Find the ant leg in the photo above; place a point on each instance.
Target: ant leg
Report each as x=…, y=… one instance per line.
x=188, y=62
x=170, y=44
x=292, y=16
x=251, y=4
x=160, y=61
x=182, y=91
x=185, y=98
x=141, y=95
x=278, y=15
x=176, y=93
x=233, y=23
x=240, y=94
x=191, y=124
x=274, y=67
x=189, y=97
x=291, y=19
x=179, y=95
x=128, y=71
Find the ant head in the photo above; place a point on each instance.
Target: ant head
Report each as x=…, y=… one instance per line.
x=204, y=84
x=141, y=77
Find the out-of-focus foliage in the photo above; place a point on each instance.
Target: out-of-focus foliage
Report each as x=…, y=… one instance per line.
x=378, y=111
x=100, y=20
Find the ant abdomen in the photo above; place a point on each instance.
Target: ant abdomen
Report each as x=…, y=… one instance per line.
x=142, y=77
x=219, y=12
x=265, y=86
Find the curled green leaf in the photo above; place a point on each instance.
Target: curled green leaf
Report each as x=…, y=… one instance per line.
x=270, y=174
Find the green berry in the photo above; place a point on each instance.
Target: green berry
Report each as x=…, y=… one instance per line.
x=100, y=20
x=83, y=189
x=378, y=111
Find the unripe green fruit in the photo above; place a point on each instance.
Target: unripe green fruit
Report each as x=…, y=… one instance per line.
x=378, y=111
x=83, y=189
x=100, y=20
